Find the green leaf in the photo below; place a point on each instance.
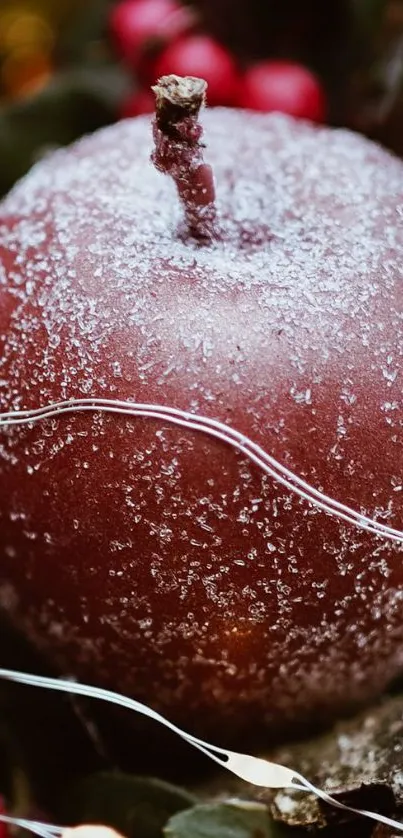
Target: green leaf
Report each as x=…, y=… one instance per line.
x=76, y=102
x=138, y=807
x=369, y=15
x=87, y=31
x=233, y=819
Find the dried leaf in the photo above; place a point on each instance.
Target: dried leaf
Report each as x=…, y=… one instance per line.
x=381, y=831
x=359, y=763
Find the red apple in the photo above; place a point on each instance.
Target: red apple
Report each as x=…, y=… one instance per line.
x=158, y=560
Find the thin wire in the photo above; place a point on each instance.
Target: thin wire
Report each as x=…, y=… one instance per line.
x=61, y=685
x=226, y=759
x=217, y=429
x=327, y=798
x=37, y=827
x=255, y=775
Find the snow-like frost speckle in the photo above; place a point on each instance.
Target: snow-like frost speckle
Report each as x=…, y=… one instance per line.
x=160, y=561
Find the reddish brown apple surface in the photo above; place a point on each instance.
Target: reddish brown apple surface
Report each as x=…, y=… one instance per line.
x=154, y=559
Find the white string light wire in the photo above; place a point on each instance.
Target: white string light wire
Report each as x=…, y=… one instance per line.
x=254, y=770
x=44, y=830
x=218, y=430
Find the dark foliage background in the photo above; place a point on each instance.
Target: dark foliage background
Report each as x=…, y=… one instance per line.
x=59, y=79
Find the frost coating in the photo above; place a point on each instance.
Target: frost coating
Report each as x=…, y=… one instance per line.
x=218, y=430
x=151, y=559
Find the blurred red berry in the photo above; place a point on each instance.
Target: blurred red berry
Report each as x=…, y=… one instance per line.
x=136, y=25
x=142, y=101
x=283, y=86
x=3, y=826
x=200, y=55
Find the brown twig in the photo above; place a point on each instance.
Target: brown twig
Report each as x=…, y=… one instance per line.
x=178, y=150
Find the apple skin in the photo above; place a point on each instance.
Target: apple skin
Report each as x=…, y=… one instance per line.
x=156, y=560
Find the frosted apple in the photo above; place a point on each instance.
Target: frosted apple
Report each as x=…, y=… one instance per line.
x=155, y=559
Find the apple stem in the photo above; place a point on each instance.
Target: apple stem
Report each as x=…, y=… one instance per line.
x=178, y=150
